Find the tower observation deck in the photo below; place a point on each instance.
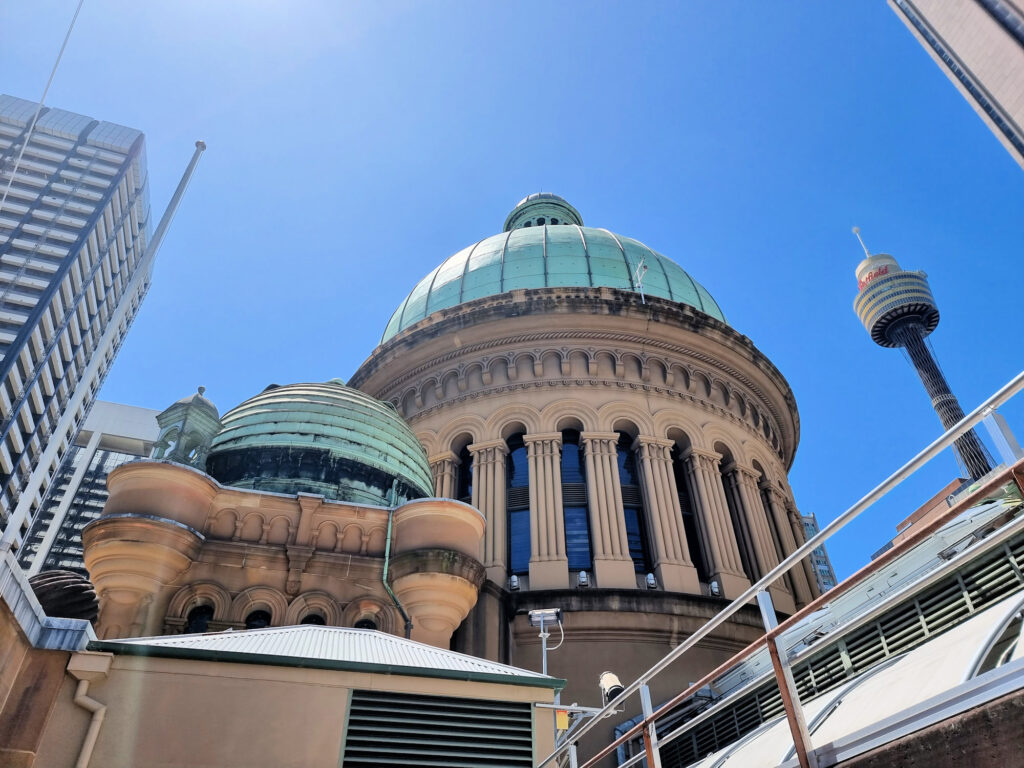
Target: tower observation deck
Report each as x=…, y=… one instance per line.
x=898, y=310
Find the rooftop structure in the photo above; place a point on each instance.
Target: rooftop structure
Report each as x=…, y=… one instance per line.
x=112, y=435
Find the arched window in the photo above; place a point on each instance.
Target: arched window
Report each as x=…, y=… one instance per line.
x=198, y=619
x=632, y=504
x=464, y=476
x=574, y=503
x=257, y=620
x=314, y=618
x=517, y=506
x=365, y=624
x=693, y=541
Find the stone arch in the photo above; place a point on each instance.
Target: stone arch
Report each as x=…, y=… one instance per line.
x=671, y=421
x=468, y=424
x=551, y=363
x=327, y=537
x=497, y=369
x=658, y=370
x=376, y=539
x=407, y=402
x=450, y=381
x=221, y=524
x=352, y=539
x=252, y=527
x=259, y=599
x=715, y=436
x=473, y=377
x=316, y=602
x=370, y=607
x=525, y=365
x=200, y=593
x=526, y=414
x=606, y=364
x=632, y=366
x=701, y=384
x=428, y=391
x=555, y=413
x=579, y=362
x=610, y=413
x=279, y=531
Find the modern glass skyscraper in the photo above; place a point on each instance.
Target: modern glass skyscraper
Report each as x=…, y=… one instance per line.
x=73, y=231
x=823, y=570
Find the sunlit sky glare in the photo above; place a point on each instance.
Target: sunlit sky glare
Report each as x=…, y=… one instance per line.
x=354, y=146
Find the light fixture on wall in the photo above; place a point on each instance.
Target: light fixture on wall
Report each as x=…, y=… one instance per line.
x=715, y=589
x=513, y=583
x=583, y=579
x=652, y=583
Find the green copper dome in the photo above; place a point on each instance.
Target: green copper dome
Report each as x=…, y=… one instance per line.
x=324, y=438
x=545, y=245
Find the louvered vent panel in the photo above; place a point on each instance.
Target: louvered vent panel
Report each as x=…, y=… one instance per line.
x=631, y=496
x=574, y=494
x=409, y=730
x=517, y=498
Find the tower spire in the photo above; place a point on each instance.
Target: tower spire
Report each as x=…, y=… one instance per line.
x=856, y=231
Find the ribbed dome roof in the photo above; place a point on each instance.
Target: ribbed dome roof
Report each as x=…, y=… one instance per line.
x=563, y=255
x=200, y=401
x=332, y=418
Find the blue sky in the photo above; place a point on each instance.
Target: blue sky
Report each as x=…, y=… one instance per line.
x=353, y=146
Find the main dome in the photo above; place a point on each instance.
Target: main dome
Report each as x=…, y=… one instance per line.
x=322, y=438
x=545, y=245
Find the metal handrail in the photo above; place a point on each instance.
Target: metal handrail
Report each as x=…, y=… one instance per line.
x=1013, y=387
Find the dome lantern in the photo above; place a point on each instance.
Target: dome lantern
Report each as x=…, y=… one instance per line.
x=542, y=209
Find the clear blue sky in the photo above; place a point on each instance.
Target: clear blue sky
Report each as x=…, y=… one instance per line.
x=353, y=146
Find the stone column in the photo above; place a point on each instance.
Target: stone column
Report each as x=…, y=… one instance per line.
x=672, y=563
x=613, y=566
x=761, y=533
x=549, y=564
x=798, y=534
x=444, y=467
x=718, y=541
x=804, y=592
x=489, y=497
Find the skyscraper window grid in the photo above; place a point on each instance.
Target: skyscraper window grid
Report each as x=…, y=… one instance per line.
x=72, y=231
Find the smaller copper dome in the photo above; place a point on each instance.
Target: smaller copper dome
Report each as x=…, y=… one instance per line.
x=65, y=595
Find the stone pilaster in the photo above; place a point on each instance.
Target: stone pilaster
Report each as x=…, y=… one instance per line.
x=549, y=564
x=613, y=566
x=761, y=533
x=672, y=564
x=803, y=592
x=489, y=497
x=718, y=541
x=444, y=468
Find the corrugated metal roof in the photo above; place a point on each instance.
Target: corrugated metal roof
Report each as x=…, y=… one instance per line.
x=337, y=647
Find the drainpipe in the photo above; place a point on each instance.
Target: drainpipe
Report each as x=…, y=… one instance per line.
x=87, y=667
x=99, y=711
x=387, y=563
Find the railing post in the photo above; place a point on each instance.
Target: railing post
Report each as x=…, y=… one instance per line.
x=573, y=760
x=650, y=732
x=787, y=686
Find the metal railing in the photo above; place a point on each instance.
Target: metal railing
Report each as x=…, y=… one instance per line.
x=645, y=726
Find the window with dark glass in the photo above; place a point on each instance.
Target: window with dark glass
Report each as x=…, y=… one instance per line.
x=693, y=542
x=574, y=503
x=365, y=624
x=632, y=504
x=257, y=620
x=314, y=618
x=464, y=476
x=198, y=619
x=517, y=506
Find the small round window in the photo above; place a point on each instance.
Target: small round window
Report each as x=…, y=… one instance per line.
x=540, y=221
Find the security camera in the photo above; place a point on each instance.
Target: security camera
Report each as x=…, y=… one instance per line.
x=610, y=686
